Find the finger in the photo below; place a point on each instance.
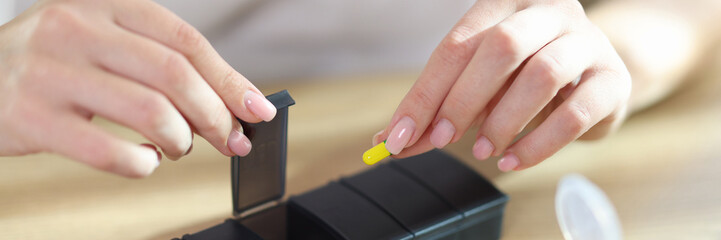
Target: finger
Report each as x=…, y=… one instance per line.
x=554, y=66
x=448, y=60
x=238, y=142
x=424, y=143
x=600, y=95
x=503, y=50
x=170, y=73
x=155, y=22
x=77, y=139
x=131, y=104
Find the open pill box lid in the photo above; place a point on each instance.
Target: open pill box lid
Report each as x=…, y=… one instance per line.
x=259, y=177
x=584, y=211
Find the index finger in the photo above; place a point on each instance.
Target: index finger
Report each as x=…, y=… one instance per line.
x=416, y=112
x=153, y=21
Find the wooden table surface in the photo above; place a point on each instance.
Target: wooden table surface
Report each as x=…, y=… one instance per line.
x=660, y=170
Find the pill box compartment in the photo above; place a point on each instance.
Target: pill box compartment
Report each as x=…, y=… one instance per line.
x=429, y=196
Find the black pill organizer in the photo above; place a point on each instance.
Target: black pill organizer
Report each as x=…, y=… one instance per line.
x=428, y=196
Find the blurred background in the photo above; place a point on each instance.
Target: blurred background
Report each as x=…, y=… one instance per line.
x=348, y=64
x=271, y=41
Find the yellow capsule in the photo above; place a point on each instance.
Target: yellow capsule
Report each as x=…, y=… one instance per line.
x=376, y=153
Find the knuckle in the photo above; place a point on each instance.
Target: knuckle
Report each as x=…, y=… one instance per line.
x=497, y=131
x=457, y=45
x=151, y=111
x=32, y=68
x=548, y=72
x=458, y=105
x=56, y=13
x=577, y=118
x=174, y=69
x=505, y=43
x=59, y=21
x=187, y=37
x=215, y=122
x=229, y=83
x=423, y=98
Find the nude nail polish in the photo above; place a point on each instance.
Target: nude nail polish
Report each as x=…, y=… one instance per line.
x=259, y=105
x=508, y=162
x=483, y=148
x=400, y=135
x=376, y=138
x=442, y=133
x=239, y=143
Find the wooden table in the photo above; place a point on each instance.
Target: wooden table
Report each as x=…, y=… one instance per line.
x=660, y=170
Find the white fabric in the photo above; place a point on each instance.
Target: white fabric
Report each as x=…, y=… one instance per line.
x=271, y=39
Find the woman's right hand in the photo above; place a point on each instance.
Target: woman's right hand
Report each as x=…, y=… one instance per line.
x=510, y=65
x=130, y=61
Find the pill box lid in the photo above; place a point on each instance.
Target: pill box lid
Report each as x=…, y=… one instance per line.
x=259, y=177
x=584, y=212
x=415, y=207
x=464, y=189
x=344, y=214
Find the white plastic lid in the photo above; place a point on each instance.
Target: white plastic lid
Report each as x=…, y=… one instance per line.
x=584, y=212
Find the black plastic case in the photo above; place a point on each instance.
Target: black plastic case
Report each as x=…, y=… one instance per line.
x=259, y=177
x=429, y=196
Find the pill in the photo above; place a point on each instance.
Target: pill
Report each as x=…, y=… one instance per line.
x=376, y=153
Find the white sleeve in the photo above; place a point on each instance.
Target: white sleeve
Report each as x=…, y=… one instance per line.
x=7, y=11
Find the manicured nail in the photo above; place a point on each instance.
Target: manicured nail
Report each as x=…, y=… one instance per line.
x=239, y=143
x=259, y=105
x=376, y=138
x=442, y=133
x=400, y=135
x=483, y=148
x=508, y=162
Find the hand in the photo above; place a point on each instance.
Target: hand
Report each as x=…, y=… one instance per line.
x=130, y=61
x=504, y=64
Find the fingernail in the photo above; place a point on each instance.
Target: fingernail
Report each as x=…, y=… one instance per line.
x=259, y=105
x=376, y=138
x=483, y=148
x=400, y=135
x=442, y=133
x=239, y=143
x=508, y=162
